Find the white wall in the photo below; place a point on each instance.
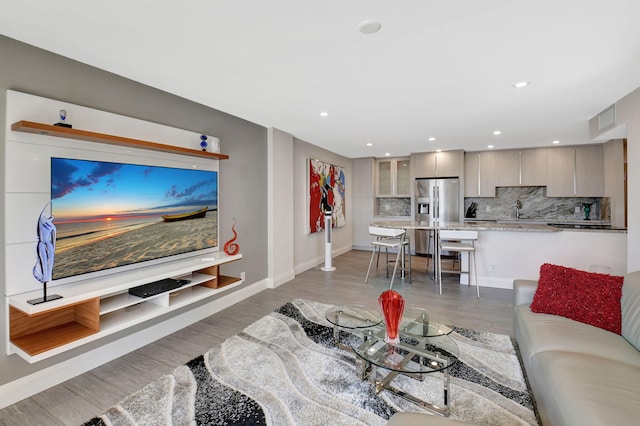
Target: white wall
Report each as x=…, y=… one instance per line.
x=628, y=123
x=309, y=248
x=628, y=112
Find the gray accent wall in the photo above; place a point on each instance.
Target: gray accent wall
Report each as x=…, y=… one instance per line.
x=243, y=178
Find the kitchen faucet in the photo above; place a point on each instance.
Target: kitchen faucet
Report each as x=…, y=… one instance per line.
x=518, y=208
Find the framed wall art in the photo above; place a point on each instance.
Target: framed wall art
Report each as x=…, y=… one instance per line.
x=327, y=185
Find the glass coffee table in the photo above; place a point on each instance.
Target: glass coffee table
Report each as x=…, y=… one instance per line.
x=420, y=322
x=425, y=347
x=351, y=318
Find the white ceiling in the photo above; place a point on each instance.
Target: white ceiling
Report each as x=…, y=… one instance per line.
x=436, y=68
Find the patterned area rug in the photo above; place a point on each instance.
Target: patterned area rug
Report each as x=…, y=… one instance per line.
x=285, y=369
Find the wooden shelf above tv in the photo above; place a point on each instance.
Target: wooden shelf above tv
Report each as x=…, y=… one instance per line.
x=71, y=133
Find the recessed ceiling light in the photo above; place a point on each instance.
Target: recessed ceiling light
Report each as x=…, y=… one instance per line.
x=431, y=139
x=521, y=84
x=555, y=142
x=369, y=26
x=387, y=154
x=497, y=132
x=369, y=144
x=438, y=150
x=489, y=146
x=324, y=114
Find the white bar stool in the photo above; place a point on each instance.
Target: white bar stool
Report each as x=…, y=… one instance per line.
x=390, y=238
x=461, y=241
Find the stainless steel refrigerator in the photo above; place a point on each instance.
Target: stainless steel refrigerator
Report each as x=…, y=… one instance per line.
x=437, y=199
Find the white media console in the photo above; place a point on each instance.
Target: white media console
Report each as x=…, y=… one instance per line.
x=99, y=307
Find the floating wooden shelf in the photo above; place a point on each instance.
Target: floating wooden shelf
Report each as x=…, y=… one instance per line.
x=47, y=330
x=70, y=133
x=220, y=280
x=224, y=280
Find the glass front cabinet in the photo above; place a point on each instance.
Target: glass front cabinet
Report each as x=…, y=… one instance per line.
x=394, y=177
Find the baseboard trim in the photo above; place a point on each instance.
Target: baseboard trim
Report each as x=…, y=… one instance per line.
x=496, y=282
x=282, y=278
x=27, y=386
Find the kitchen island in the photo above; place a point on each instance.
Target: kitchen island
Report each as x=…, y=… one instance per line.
x=510, y=249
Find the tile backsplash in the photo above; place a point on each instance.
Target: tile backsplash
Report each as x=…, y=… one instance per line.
x=536, y=206
x=393, y=207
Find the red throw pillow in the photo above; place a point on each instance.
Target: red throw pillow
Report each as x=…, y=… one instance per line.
x=583, y=296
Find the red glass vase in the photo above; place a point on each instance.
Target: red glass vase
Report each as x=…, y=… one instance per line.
x=392, y=305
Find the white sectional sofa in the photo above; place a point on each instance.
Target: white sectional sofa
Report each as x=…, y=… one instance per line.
x=581, y=374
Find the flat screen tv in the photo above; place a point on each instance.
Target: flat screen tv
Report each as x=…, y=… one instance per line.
x=111, y=217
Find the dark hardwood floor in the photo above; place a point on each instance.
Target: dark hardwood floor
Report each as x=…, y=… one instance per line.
x=82, y=397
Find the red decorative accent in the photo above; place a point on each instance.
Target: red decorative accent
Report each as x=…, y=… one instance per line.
x=587, y=297
x=230, y=247
x=392, y=305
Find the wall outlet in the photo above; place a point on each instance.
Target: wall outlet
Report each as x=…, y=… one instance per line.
x=493, y=268
x=487, y=209
x=242, y=276
x=387, y=206
x=577, y=209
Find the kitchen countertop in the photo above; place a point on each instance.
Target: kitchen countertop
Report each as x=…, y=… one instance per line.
x=488, y=225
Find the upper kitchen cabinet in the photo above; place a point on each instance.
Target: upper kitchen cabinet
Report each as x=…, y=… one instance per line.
x=394, y=177
x=533, y=167
x=521, y=167
x=437, y=164
x=479, y=175
x=575, y=171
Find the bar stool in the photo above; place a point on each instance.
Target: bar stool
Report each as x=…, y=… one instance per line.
x=406, y=258
x=390, y=238
x=461, y=241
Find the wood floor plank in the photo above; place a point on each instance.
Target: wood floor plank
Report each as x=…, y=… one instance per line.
x=28, y=413
x=120, y=374
x=66, y=405
x=165, y=354
x=94, y=390
x=150, y=368
x=104, y=386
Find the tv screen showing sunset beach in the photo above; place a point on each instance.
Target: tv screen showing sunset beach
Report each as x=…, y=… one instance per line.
x=109, y=215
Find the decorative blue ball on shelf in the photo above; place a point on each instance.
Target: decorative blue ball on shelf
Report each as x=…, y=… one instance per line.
x=204, y=143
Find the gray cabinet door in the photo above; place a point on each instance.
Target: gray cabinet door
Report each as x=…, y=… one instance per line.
x=590, y=171
x=533, y=167
x=449, y=163
x=423, y=165
x=507, y=167
x=521, y=167
x=561, y=172
x=479, y=174
x=437, y=164
x=575, y=171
